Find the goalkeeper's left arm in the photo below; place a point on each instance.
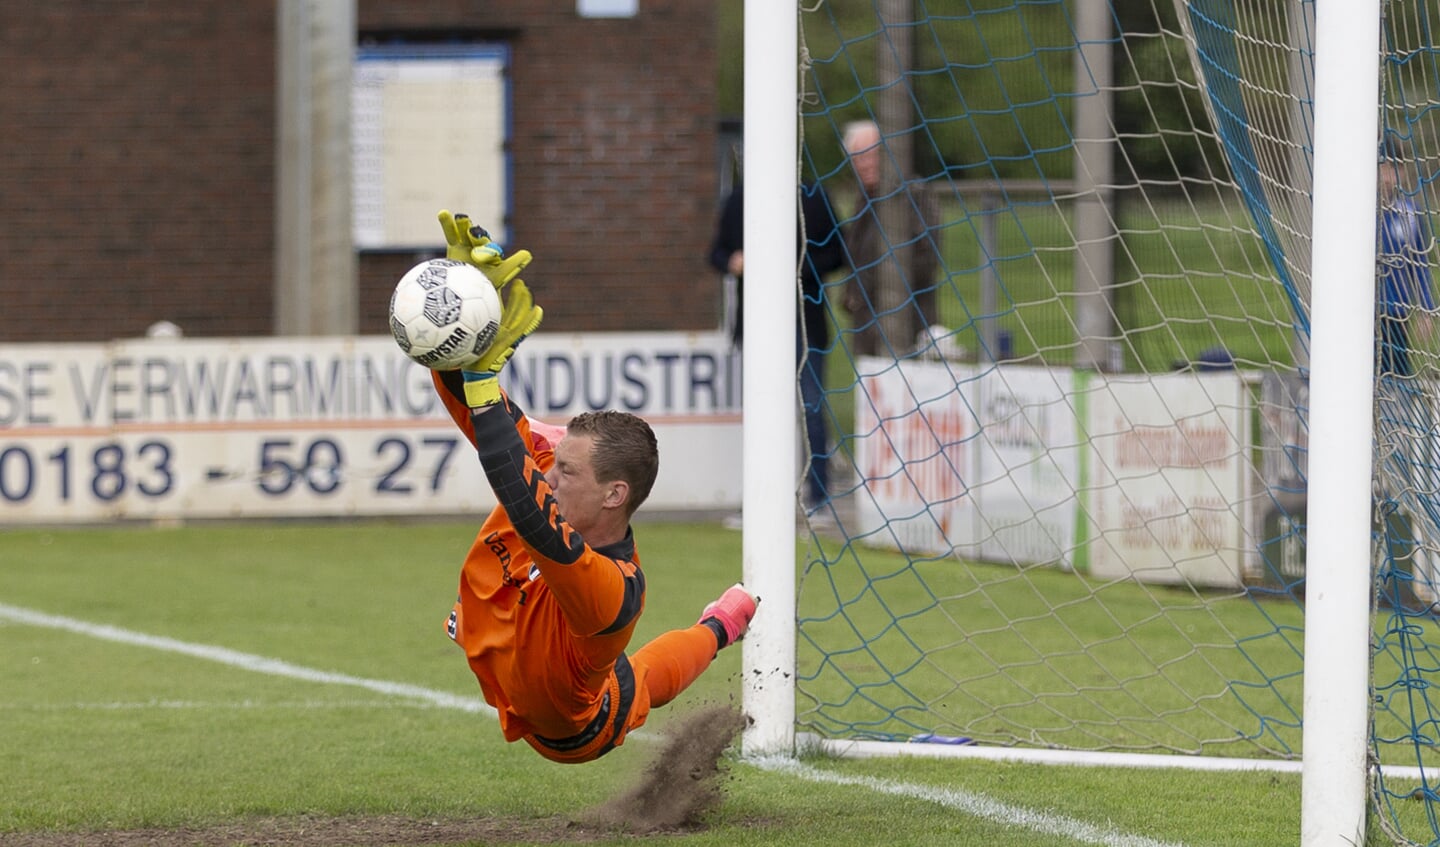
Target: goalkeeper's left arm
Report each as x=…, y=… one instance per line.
x=465, y=242
x=518, y=319
x=476, y=387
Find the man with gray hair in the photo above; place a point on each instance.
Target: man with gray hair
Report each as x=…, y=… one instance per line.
x=911, y=253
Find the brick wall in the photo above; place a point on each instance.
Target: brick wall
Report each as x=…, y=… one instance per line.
x=137, y=181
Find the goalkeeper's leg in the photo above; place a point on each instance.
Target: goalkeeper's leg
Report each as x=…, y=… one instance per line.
x=670, y=663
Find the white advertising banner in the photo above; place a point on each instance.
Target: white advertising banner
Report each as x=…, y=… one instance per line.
x=1116, y=476
x=913, y=443
x=1026, y=477
x=1168, y=489
x=984, y=463
x=194, y=428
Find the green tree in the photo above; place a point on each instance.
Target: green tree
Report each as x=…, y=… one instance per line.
x=1159, y=109
x=993, y=85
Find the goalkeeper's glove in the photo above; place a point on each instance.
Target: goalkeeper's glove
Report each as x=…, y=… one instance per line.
x=465, y=242
x=518, y=319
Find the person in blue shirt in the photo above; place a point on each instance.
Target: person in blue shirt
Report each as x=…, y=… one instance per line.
x=1404, y=299
x=1404, y=306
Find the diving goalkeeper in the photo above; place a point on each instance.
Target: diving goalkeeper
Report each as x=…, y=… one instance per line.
x=552, y=589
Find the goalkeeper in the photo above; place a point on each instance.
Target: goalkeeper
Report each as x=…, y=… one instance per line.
x=551, y=590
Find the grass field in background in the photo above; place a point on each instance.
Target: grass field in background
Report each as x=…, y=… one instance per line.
x=1188, y=278
x=99, y=735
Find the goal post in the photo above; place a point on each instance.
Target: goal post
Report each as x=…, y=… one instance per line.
x=1117, y=477
x=1337, y=567
x=769, y=388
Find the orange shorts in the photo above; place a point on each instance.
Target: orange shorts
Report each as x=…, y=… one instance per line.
x=623, y=707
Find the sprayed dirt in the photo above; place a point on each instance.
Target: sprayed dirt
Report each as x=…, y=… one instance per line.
x=683, y=781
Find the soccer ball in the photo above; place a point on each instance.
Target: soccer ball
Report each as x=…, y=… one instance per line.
x=444, y=314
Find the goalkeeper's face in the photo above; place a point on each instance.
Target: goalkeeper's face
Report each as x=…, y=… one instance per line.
x=589, y=506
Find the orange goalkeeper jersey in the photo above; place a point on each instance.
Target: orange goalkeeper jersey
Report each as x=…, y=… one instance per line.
x=543, y=618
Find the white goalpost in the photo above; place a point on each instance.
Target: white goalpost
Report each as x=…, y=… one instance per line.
x=1338, y=581
x=771, y=253
x=1104, y=491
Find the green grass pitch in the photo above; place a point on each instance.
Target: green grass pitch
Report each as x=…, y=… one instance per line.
x=103, y=736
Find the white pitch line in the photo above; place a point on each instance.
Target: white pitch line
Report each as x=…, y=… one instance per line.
x=244, y=661
x=210, y=705
x=976, y=805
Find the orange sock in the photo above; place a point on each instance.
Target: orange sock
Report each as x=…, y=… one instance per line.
x=668, y=664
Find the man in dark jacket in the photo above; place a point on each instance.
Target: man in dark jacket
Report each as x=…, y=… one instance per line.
x=822, y=252
x=910, y=253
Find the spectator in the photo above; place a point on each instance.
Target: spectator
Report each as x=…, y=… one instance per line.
x=821, y=253
x=1404, y=312
x=871, y=249
x=1403, y=286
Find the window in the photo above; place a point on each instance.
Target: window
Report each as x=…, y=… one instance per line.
x=430, y=125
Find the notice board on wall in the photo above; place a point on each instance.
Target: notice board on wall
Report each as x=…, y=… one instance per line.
x=429, y=130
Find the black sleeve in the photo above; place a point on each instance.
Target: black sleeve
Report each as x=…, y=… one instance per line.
x=729, y=231
x=824, y=250
x=520, y=486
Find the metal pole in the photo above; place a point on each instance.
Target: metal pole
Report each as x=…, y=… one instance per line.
x=1094, y=179
x=989, y=280
x=315, y=278
x=898, y=318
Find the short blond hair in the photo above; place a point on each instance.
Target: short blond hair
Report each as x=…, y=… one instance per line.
x=624, y=448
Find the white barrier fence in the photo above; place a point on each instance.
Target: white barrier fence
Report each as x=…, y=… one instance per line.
x=1153, y=475
x=1113, y=475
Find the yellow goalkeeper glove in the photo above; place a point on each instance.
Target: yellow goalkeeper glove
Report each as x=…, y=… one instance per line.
x=518, y=319
x=465, y=242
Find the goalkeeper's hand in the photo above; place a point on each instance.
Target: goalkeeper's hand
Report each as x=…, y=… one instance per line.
x=518, y=319
x=466, y=242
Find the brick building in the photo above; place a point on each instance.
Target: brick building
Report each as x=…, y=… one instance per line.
x=137, y=181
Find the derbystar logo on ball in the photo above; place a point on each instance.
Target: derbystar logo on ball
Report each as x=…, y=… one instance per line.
x=444, y=314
